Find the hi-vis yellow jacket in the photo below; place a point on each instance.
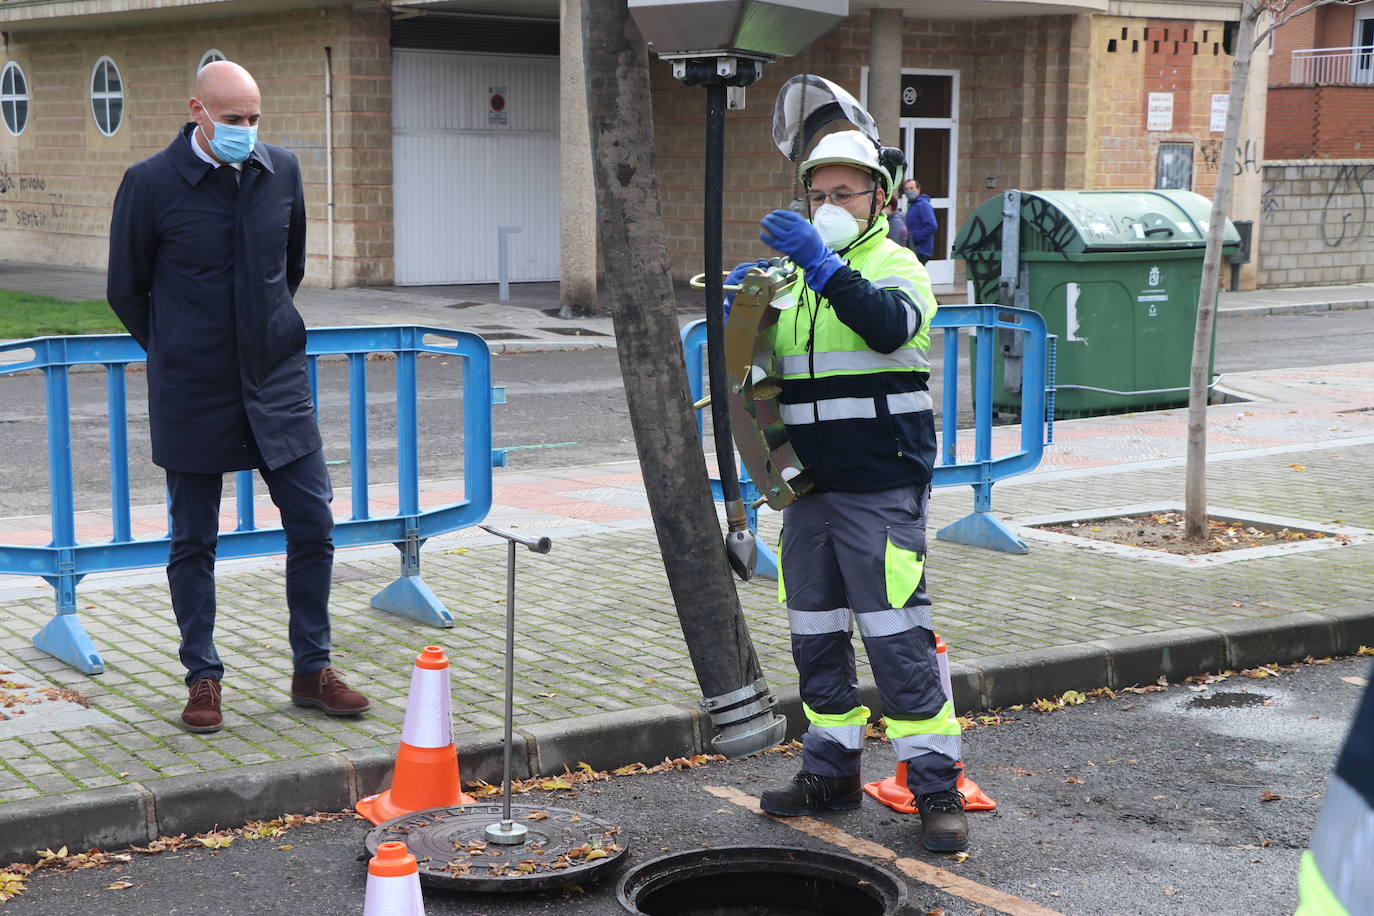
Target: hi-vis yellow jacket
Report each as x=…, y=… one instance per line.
x=854, y=367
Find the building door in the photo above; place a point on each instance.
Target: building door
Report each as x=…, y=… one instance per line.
x=1364, y=43
x=474, y=148
x=930, y=139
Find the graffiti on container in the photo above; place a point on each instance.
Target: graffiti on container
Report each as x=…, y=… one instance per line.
x=1054, y=224
x=27, y=183
x=6, y=182
x=30, y=219
x=1247, y=156
x=1345, y=213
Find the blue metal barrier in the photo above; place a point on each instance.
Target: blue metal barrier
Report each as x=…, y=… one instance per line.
x=980, y=528
x=65, y=561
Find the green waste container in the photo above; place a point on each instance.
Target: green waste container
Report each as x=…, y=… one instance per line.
x=1116, y=276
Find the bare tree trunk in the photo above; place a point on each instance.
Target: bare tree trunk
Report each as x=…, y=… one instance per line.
x=1195, y=504
x=644, y=312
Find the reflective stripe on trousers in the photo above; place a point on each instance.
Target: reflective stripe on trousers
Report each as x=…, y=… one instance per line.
x=920, y=719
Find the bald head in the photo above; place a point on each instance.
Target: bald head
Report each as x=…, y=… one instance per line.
x=225, y=94
x=225, y=79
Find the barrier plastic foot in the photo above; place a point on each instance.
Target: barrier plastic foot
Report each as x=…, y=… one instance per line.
x=982, y=529
x=409, y=596
x=63, y=637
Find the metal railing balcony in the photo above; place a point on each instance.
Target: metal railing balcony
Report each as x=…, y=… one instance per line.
x=1354, y=64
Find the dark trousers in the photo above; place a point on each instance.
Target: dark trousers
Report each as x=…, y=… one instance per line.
x=302, y=492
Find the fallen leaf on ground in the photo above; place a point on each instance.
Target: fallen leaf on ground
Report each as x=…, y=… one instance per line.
x=1269, y=796
x=1357, y=681
x=11, y=885
x=118, y=885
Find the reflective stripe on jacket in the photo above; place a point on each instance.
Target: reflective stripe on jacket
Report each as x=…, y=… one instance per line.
x=854, y=369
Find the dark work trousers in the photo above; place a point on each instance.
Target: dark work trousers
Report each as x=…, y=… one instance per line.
x=302, y=492
x=858, y=560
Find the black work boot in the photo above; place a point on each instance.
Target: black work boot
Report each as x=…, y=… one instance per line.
x=944, y=826
x=808, y=793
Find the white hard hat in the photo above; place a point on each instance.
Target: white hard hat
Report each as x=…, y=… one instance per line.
x=856, y=149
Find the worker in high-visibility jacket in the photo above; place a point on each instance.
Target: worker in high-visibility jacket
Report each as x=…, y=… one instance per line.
x=852, y=358
x=1336, y=877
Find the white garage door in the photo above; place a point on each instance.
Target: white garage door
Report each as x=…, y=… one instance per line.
x=474, y=148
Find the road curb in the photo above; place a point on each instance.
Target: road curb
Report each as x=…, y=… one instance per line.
x=136, y=813
x=1298, y=307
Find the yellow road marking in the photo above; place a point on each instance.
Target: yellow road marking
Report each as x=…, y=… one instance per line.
x=947, y=881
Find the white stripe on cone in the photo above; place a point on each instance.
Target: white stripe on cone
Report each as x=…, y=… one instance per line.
x=398, y=896
x=429, y=714
x=942, y=657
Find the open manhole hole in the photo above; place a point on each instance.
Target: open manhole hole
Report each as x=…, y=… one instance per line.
x=1228, y=699
x=760, y=881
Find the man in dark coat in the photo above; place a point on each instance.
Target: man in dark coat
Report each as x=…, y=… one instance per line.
x=207, y=247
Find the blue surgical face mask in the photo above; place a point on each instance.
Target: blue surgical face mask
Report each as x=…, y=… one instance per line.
x=231, y=142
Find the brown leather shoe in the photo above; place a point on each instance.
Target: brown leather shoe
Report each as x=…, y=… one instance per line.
x=325, y=689
x=202, y=709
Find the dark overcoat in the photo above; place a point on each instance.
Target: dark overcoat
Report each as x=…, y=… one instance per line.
x=202, y=273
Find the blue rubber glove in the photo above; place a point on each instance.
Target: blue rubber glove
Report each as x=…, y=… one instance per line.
x=737, y=275
x=794, y=236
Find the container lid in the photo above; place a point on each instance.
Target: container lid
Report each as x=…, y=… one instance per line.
x=1084, y=222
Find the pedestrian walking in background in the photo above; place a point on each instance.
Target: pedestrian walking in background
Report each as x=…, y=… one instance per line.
x=207, y=249
x=896, y=223
x=920, y=221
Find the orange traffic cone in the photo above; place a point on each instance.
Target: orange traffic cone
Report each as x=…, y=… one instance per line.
x=893, y=791
x=393, y=883
x=426, y=772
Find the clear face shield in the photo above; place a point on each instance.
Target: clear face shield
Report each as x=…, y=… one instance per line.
x=805, y=104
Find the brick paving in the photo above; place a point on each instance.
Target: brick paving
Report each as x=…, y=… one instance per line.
x=598, y=630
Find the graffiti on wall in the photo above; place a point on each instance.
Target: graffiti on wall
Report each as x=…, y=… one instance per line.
x=27, y=202
x=1345, y=212
x=1247, y=156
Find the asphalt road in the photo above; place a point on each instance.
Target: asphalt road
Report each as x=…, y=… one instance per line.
x=565, y=409
x=1139, y=804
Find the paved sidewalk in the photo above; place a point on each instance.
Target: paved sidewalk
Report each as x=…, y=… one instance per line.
x=603, y=675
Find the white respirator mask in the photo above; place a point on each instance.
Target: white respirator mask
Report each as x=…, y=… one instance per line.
x=836, y=226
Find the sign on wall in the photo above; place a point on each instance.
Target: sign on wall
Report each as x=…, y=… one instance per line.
x=1159, y=111
x=496, y=105
x=1219, y=104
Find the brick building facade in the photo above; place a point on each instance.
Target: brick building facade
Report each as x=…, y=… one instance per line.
x=1054, y=100
x=1319, y=168
x=61, y=172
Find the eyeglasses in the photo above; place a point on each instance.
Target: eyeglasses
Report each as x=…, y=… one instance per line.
x=839, y=197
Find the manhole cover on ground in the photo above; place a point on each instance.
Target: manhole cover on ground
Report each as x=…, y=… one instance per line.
x=450, y=846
